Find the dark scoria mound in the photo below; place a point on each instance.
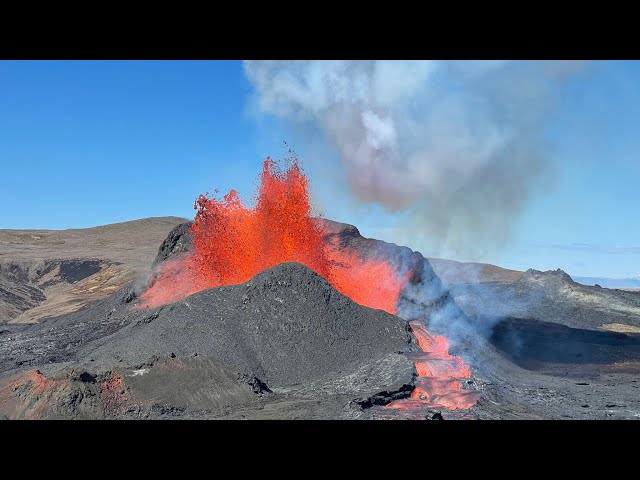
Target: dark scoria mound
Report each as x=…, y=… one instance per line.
x=178, y=240
x=283, y=345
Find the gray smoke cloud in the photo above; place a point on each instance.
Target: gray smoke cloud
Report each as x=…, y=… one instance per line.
x=456, y=143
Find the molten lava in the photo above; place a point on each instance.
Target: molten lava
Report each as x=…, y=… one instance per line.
x=232, y=243
x=439, y=377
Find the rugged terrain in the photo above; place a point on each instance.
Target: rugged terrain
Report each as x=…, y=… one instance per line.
x=552, y=297
x=283, y=345
x=288, y=345
x=549, y=347
x=48, y=273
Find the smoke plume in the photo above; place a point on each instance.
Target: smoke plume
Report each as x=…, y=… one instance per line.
x=456, y=143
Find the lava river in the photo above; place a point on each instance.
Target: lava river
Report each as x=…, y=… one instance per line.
x=440, y=376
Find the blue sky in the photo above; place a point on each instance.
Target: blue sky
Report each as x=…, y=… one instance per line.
x=93, y=142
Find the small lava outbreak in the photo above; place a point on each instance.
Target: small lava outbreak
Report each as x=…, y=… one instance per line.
x=232, y=243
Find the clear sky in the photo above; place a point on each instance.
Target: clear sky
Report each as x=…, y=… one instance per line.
x=86, y=143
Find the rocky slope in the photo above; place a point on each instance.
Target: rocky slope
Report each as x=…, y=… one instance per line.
x=48, y=273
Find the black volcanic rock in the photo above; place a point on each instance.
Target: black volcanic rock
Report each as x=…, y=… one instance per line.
x=178, y=241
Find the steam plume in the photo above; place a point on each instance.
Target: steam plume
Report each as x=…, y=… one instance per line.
x=458, y=143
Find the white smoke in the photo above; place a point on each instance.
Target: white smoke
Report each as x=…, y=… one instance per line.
x=456, y=142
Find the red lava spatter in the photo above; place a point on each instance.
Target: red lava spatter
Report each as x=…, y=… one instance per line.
x=232, y=243
x=439, y=382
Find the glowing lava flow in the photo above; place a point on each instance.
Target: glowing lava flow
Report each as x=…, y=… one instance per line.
x=233, y=243
x=439, y=377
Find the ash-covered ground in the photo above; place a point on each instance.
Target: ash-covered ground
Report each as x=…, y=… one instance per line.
x=288, y=345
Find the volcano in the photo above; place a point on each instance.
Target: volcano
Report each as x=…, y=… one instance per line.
x=266, y=299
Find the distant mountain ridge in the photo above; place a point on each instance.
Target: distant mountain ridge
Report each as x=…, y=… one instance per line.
x=610, y=282
x=453, y=272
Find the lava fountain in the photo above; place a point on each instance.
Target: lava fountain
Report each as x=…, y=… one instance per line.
x=232, y=243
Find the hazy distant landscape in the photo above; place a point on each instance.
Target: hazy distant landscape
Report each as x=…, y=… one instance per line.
x=624, y=283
